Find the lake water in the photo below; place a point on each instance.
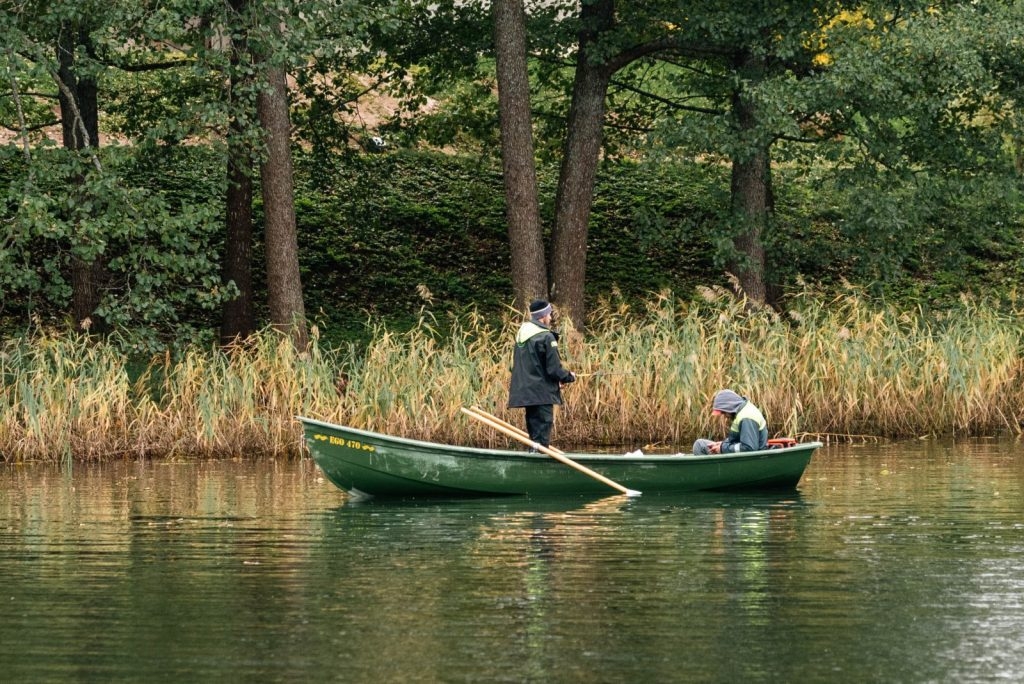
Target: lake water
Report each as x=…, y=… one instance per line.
x=892, y=563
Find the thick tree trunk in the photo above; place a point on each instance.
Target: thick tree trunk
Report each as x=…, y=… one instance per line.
x=751, y=198
x=582, y=152
x=526, y=241
x=751, y=194
x=284, y=286
x=79, y=111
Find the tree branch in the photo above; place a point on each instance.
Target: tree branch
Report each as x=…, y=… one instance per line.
x=21, y=112
x=668, y=44
x=665, y=101
x=79, y=121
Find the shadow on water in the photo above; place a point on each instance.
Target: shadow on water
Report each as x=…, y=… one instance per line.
x=581, y=503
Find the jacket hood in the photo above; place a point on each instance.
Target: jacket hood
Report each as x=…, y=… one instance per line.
x=528, y=330
x=728, y=401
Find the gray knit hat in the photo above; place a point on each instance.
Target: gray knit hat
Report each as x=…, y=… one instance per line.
x=539, y=309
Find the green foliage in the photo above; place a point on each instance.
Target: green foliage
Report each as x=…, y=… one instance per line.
x=165, y=106
x=382, y=235
x=917, y=197
x=928, y=91
x=652, y=229
x=155, y=241
x=388, y=234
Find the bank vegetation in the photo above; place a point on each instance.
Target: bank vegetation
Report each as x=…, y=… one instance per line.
x=834, y=367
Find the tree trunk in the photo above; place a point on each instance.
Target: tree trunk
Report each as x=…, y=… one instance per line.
x=751, y=196
x=238, y=320
x=526, y=241
x=750, y=202
x=284, y=286
x=79, y=112
x=582, y=152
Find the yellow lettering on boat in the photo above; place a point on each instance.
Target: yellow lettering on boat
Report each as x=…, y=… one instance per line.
x=350, y=443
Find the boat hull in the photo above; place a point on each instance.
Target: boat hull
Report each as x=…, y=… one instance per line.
x=369, y=464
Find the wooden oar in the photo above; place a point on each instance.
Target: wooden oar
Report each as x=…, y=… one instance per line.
x=521, y=432
x=553, y=454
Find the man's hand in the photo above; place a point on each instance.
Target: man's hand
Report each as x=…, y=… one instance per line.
x=715, y=448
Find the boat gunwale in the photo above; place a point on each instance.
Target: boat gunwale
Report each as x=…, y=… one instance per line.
x=576, y=456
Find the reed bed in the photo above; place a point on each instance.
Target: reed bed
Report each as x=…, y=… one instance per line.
x=835, y=367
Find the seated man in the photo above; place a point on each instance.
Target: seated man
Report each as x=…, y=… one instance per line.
x=748, y=430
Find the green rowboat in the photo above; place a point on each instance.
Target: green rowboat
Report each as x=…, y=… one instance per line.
x=369, y=464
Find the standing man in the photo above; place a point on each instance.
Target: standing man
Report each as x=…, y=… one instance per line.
x=537, y=372
x=748, y=430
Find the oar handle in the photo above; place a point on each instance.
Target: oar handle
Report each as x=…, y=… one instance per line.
x=557, y=456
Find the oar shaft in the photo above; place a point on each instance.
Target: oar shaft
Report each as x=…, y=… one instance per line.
x=510, y=426
x=543, y=449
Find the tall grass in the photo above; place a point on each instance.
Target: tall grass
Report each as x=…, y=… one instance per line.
x=836, y=367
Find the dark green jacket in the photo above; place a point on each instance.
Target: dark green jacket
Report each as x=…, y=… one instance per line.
x=537, y=371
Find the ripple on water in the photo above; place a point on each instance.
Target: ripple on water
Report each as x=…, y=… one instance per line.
x=888, y=565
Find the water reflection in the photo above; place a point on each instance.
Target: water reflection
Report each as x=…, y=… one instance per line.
x=889, y=564
x=603, y=579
